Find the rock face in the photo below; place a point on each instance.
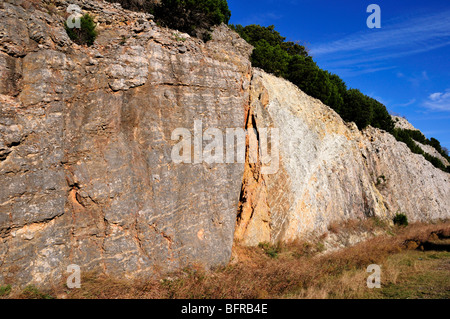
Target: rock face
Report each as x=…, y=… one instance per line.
x=408, y=183
x=403, y=123
x=86, y=172
x=86, y=140
x=433, y=152
x=322, y=176
x=329, y=171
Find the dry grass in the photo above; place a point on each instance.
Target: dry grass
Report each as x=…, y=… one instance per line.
x=294, y=270
x=355, y=225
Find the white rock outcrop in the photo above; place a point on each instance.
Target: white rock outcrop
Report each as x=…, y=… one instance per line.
x=330, y=171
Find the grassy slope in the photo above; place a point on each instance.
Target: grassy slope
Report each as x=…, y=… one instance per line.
x=296, y=270
x=423, y=275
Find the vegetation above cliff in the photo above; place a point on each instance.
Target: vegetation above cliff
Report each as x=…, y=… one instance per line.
x=195, y=17
x=410, y=136
x=291, y=61
x=192, y=15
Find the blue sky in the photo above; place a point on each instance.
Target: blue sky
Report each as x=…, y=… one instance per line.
x=405, y=64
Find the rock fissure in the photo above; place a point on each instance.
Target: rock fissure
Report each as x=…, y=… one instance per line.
x=253, y=209
x=10, y=230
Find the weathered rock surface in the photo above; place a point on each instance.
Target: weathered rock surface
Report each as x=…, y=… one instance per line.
x=408, y=183
x=86, y=172
x=329, y=171
x=433, y=152
x=402, y=123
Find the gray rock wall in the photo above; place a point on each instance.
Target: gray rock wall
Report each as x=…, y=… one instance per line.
x=86, y=172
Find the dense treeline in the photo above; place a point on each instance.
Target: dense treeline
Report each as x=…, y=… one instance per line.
x=291, y=61
x=195, y=17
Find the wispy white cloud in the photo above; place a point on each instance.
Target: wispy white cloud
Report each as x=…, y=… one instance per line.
x=415, y=79
x=359, y=57
x=418, y=32
x=360, y=70
x=439, y=101
x=410, y=102
x=392, y=41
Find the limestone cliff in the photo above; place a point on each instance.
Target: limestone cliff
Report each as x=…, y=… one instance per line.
x=330, y=171
x=86, y=172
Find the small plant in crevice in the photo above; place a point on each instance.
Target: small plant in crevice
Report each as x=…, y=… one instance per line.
x=207, y=36
x=86, y=34
x=400, y=219
x=179, y=38
x=381, y=180
x=320, y=247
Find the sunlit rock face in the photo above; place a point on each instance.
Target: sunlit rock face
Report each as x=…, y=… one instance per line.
x=87, y=175
x=86, y=172
x=329, y=171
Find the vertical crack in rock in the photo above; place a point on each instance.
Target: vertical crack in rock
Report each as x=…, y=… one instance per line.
x=166, y=237
x=253, y=216
x=138, y=239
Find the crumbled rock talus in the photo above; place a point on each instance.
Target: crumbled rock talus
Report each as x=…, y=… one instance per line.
x=86, y=175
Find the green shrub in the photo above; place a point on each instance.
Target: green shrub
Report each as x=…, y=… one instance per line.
x=271, y=250
x=207, y=37
x=195, y=17
x=5, y=290
x=400, y=219
x=86, y=34
x=381, y=180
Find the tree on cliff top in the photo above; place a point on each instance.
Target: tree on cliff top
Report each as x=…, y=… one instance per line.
x=192, y=16
x=136, y=5
x=195, y=17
